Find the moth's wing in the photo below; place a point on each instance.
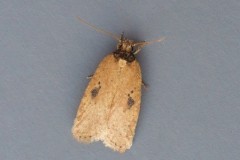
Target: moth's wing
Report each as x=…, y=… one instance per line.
x=125, y=108
x=90, y=122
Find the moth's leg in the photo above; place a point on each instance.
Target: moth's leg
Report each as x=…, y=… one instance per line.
x=90, y=76
x=145, y=86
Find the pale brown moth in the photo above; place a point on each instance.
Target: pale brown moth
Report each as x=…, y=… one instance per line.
x=110, y=106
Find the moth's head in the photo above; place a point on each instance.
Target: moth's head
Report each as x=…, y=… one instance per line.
x=125, y=45
x=129, y=46
x=132, y=47
x=127, y=49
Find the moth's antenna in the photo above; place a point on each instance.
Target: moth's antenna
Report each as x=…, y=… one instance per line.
x=98, y=29
x=140, y=45
x=149, y=42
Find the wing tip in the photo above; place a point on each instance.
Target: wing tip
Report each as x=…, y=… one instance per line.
x=115, y=146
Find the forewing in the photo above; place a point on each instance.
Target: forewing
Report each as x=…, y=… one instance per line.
x=90, y=122
x=123, y=116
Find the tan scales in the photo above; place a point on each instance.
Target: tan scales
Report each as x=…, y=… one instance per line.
x=110, y=106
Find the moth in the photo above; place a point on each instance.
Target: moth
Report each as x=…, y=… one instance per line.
x=110, y=105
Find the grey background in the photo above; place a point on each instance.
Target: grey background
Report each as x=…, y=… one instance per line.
x=191, y=109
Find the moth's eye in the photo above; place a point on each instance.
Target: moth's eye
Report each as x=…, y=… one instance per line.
x=131, y=58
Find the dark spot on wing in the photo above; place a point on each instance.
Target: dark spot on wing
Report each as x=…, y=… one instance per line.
x=130, y=102
x=94, y=91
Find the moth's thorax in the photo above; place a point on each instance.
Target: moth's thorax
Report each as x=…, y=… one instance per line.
x=125, y=50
